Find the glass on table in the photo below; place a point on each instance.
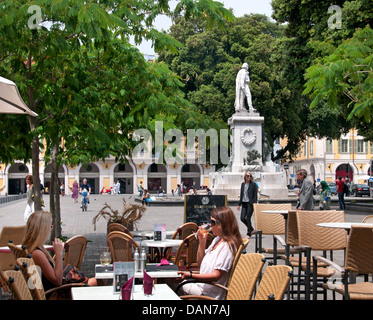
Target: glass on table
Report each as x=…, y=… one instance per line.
x=105, y=258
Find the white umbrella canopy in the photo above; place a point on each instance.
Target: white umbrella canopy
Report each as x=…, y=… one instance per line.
x=10, y=99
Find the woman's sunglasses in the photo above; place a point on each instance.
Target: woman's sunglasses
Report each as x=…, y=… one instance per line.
x=213, y=222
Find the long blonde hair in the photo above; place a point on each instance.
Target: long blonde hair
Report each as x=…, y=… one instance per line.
x=38, y=228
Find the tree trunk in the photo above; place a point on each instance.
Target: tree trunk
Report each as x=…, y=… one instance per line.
x=35, y=162
x=55, y=195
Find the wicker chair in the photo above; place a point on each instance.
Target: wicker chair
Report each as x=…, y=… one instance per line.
x=121, y=246
x=35, y=285
x=186, y=254
x=274, y=283
x=368, y=219
x=15, y=280
x=244, y=277
x=269, y=224
x=240, y=250
x=114, y=226
x=74, y=251
x=181, y=233
x=358, y=260
x=18, y=251
x=320, y=239
x=13, y=233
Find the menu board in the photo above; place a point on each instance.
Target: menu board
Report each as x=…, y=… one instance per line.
x=197, y=208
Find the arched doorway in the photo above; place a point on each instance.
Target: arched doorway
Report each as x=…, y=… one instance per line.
x=92, y=174
x=191, y=176
x=344, y=170
x=124, y=174
x=157, y=177
x=48, y=175
x=17, y=178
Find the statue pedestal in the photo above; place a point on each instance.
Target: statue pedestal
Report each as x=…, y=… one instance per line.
x=246, y=136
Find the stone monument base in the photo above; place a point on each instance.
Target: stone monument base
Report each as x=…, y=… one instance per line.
x=272, y=185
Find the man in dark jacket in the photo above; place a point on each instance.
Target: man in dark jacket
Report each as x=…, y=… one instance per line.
x=248, y=196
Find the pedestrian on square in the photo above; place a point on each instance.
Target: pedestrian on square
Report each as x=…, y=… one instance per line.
x=145, y=197
x=325, y=196
x=216, y=261
x=178, y=190
x=38, y=228
x=75, y=190
x=305, y=192
x=341, y=194
x=30, y=197
x=248, y=196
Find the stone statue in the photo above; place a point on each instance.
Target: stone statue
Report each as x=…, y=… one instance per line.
x=243, y=90
x=249, y=161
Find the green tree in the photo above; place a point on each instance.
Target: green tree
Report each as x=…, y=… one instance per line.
x=344, y=79
x=85, y=81
x=309, y=31
x=210, y=59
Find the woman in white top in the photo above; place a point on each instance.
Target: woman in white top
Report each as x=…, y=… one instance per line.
x=216, y=261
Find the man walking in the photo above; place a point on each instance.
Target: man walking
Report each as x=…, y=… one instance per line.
x=305, y=193
x=341, y=193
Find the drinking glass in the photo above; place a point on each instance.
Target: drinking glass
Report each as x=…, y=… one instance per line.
x=105, y=259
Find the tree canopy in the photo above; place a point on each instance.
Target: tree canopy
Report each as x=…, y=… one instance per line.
x=75, y=68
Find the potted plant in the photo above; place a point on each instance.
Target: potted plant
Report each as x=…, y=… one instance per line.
x=131, y=213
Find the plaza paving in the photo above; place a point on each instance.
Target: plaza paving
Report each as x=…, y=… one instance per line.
x=76, y=222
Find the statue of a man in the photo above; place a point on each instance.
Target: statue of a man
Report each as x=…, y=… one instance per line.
x=243, y=90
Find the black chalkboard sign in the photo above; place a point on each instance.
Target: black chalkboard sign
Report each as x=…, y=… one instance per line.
x=197, y=208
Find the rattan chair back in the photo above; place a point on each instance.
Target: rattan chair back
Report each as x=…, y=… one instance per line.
x=359, y=254
x=18, y=251
x=270, y=224
x=32, y=276
x=186, y=254
x=321, y=238
x=17, y=284
x=274, y=283
x=368, y=219
x=121, y=246
x=114, y=226
x=74, y=251
x=181, y=233
x=185, y=230
x=245, y=276
x=292, y=228
x=241, y=248
x=14, y=234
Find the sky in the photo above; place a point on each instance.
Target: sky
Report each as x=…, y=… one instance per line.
x=240, y=8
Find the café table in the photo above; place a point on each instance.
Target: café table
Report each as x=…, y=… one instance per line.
x=162, y=245
x=149, y=233
x=344, y=225
x=160, y=292
x=151, y=269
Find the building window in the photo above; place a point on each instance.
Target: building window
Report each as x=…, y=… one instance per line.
x=329, y=146
x=305, y=148
x=311, y=148
x=360, y=146
x=343, y=146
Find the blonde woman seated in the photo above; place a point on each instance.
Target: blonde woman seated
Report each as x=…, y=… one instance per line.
x=216, y=261
x=38, y=228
